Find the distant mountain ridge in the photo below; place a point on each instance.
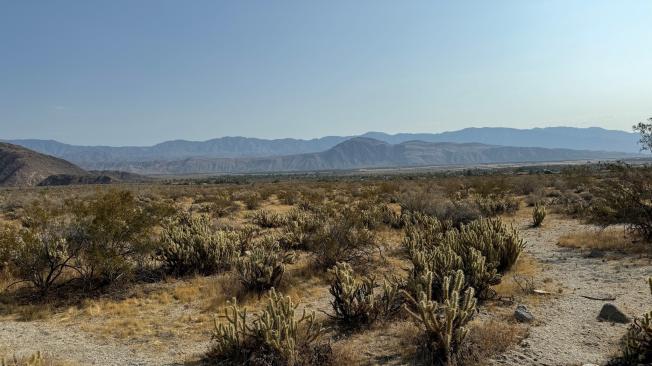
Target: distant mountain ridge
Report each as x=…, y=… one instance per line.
x=364, y=152
x=95, y=157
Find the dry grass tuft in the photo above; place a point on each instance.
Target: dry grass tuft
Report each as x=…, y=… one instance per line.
x=610, y=239
x=489, y=338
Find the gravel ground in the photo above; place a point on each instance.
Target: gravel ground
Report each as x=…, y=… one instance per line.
x=567, y=330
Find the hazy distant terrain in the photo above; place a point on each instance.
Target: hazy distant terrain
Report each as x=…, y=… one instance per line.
x=362, y=152
x=95, y=157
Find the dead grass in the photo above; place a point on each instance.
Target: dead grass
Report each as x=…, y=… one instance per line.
x=511, y=284
x=35, y=359
x=610, y=239
x=489, y=338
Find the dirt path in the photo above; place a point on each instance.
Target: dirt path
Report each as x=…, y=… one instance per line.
x=567, y=331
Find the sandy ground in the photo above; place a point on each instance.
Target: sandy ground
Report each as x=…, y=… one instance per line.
x=566, y=331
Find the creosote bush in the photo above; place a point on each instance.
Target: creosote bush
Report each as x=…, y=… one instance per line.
x=625, y=199
x=274, y=337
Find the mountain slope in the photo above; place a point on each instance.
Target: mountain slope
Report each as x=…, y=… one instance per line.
x=365, y=152
x=95, y=157
x=22, y=167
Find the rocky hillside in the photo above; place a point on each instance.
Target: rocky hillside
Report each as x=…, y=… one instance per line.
x=22, y=167
x=365, y=152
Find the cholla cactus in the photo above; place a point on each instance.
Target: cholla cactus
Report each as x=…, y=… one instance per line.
x=280, y=330
x=267, y=219
x=263, y=267
x=189, y=244
x=354, y=302
x=499, y=243
x=228, y=338
x=637, y=343
x=445, y=320
x=538, y=214
x=276, y=329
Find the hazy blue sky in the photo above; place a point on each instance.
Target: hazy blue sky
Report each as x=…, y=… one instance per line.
x=125, y=72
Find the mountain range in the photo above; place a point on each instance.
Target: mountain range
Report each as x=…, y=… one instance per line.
x=97, y=157
x=364, y=152
x=48, y=161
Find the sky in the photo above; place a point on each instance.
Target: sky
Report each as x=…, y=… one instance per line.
x=138, y=72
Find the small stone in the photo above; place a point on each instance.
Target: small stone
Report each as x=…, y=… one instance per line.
x=611, y=313
x=523, y=315
x=594, y=253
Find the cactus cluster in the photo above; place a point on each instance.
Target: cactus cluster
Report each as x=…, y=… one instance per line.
x=354, y=302
x=263, y=266
x=267, y=219
x=444, y=319
x=481, y=249
x=190, y=245
x=538, y=214
x=493, y=205
x=637, y=344
x=276, y=331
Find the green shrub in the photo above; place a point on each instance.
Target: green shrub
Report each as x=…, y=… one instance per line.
x=276, y=336
x=263, y=267
x=443, y=319
x=190, y=245
x=42, y=253
x=625, y=198
x=113, y=231
x=341, y=240
x=538, y=214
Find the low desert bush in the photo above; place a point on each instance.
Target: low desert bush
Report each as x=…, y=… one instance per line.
x=190, y=245
x=113, y=231
x=625, y=199
x=341, y=240
x=276, y=336
x=42, y=253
